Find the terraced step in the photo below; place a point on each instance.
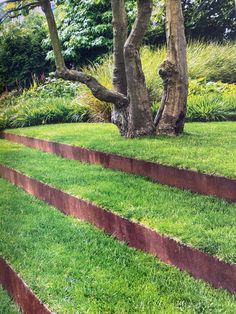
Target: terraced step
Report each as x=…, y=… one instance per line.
x=212, y=270
x=204, y=222
x=23, y=296
x=173, y=176
x=205, y=147
x=73, y=267
x=200, y=265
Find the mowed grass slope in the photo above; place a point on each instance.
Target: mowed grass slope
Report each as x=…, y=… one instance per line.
x=207, y=147
x=204, y=222
x=6, y=303
x=75, y=268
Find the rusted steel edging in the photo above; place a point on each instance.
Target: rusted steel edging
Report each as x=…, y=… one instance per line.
x=23, y=296
x=181, y=178
x=199, y=264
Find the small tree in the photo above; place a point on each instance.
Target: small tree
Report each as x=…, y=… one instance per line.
x=131, y=105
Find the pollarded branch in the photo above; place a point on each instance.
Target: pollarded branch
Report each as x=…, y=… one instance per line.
x=98, y=90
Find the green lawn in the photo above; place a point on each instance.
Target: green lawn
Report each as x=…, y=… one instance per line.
x=204, y=222
x=75, y=268
x=6, y=304
x=208, y=147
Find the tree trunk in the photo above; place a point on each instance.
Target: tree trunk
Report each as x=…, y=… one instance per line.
x=171, y=115
x=46, y=8
x=140, y=120
x=119, y=116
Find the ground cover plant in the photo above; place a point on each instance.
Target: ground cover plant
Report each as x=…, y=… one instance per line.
x=207, y=147
x=204, y=222
x=74, y=267
x=6, y=304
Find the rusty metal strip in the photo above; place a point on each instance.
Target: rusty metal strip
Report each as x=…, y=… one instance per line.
x=199, y=264
x=181, y=178
x=23, y=296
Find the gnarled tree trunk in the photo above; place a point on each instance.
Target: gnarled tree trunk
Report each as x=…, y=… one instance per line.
x=131, y=104
x=140, y=120
x=119, y=116
x=173, y=71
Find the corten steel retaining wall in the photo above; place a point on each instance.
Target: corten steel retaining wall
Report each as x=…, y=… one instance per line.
x=199, y=264
x=27, y=301
x=181, y=178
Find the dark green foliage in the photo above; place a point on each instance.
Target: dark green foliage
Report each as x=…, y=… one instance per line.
x=86, y=31
x=22, y=56
x=210, y=19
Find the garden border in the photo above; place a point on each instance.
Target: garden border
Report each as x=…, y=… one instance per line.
x=194, y=181
x=23, y=296
x=201, y=265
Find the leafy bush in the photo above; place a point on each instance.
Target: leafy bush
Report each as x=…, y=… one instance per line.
x=52, y=87
x=22, y=55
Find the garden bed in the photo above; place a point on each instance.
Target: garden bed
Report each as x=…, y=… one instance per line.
x=73, y=266
x=203, y=222
x=206, y=147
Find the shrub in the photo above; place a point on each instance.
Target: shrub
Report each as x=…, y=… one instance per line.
x=52, y=87
x=22, y=56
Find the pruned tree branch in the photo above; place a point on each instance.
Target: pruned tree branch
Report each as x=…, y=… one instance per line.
x=98, y=90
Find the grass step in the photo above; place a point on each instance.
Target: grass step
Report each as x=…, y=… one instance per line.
x=199, y=264
x=204, y=222
x=207, y=147
x=194, y=181
x=75, y=268
x=7, y=305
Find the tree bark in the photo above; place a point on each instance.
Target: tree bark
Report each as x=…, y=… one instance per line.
x=171, y=115
x=52, y=27
x=140, y=120
x=119, y=116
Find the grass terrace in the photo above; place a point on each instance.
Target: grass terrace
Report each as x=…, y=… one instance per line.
x=6, y=304
x=207, y=147
x=75, y=268
x=204, y=222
